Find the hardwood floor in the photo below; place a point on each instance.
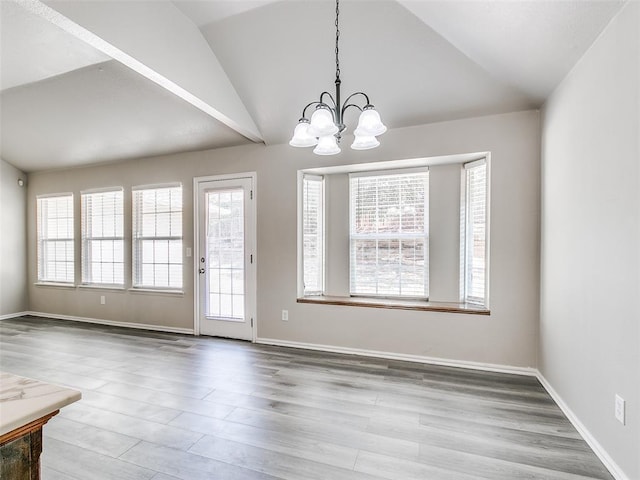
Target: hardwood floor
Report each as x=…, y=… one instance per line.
x=164, y=407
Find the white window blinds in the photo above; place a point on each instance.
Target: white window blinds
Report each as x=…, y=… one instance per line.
x=157, y=237
x=313, y=234
x=474, y=232
x=103, y=237
x=389, y=234
x=55, y=238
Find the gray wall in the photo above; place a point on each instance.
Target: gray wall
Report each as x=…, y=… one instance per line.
x=507, y=337
x=13, y=241
x=590, y=315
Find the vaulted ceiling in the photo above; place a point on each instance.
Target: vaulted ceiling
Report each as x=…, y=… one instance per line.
x=87, y=82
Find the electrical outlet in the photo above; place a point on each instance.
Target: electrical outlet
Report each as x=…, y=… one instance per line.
x=620, y=407
x=103, y=300
x=285, y=315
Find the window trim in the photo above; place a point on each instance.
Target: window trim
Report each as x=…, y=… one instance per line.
x=156, y=186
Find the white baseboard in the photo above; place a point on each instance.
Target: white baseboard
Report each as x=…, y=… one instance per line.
x=7, y=316
x=601, y=453
x=488, y=367
x=113, y=323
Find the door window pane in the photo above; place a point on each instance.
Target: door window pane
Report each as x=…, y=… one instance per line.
x=225, y=253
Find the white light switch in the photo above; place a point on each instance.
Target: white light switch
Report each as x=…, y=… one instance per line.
x=188, y=252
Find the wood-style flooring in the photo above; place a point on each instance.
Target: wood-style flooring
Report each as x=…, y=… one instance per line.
x=164, y=407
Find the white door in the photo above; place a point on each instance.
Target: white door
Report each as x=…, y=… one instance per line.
x=225, y=226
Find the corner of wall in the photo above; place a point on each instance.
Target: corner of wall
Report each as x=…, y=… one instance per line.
x=13, y=242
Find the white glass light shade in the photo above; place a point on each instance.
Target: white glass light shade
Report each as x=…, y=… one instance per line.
x=365, y=142
x=369, y=124
x=327, y=145
x=301, y=137
x=322, y=124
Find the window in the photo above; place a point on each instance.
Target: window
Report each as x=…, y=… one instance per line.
x=55, y=238
x=405, y=234
x=103, y=238
x=313, y=234
x=389, y=234
x=474, y=232
x=157, y=237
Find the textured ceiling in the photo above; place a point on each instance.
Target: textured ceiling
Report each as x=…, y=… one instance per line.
x=101, y=113
x=531, y=45
x=419, y=61
x=33, y=49
x=203, y=12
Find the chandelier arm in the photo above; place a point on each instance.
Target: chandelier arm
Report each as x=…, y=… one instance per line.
x=366, y=97
x=344, y=109
x=335, y=105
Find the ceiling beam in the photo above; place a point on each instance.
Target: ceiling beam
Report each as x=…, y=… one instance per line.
x=157, y=41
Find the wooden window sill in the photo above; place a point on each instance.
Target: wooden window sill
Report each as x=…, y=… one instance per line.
x=397, y=304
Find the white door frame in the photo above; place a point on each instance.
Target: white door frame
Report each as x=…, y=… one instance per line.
x=251, y=242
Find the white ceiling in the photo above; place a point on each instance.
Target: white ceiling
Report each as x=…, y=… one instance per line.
x=101, y=113
x=203, y=12
x=65, y=102
x=33, y=49
x=531, y=45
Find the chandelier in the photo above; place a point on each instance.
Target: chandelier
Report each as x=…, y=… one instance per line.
x=324, y=129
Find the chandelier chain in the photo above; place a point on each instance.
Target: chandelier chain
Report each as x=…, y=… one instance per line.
x=337, y=38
